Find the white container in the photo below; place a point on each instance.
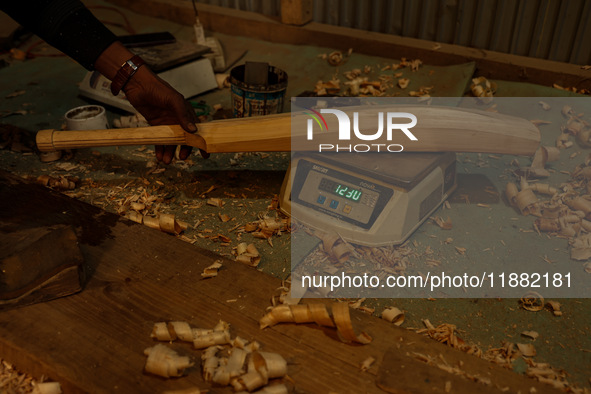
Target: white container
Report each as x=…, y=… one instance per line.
x=87, y=117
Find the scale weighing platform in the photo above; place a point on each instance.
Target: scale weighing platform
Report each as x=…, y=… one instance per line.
x=372, y=199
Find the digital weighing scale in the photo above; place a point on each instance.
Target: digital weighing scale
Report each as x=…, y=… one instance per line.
x=372, y=199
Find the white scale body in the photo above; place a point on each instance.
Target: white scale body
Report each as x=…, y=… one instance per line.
x=372, y=199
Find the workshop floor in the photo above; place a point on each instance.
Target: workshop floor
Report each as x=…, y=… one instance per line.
x=247, y=183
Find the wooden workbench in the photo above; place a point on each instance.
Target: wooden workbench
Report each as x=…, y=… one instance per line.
x=93, y=341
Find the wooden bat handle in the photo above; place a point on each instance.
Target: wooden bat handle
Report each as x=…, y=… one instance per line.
x=52, y=140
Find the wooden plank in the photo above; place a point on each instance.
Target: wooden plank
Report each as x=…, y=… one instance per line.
x=438, y=129
x=493, y=65
x=93, y=341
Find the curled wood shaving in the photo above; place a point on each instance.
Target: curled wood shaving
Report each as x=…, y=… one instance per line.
x=532, y=301
x=248, y=254
x=393, y=315
x=165, y=362
x=483, y=89
x=555, y=307
x=527, y=202
x=530, y=334
x=319, y=314
x=335, y=58
x=164, y=222
x=243, y=367
x=335, y=247
x=212, y=270
x=58, y=183
x=527, y=349
x=403, y=83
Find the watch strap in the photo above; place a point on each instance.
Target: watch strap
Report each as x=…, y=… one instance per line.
x=127, y=70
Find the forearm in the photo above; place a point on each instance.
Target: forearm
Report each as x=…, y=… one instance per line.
x=111, y=59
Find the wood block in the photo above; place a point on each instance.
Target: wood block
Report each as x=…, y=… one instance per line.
x=296, y=12
x=38, y=264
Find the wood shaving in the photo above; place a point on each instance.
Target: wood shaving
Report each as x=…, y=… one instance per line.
x=483, y=89
x=393, y=315
x=15, y=94
x=319, y=314
x=212, y=270
x=165, y=362
x=446, y=334
x=335, y=58
x=445, y=225
x=554, y=306
x=330, y=87
x=532, y=301
x=403, y=83
x=136, y=120
x=58, y=183
x=527, y=349
x=540, y=122
x=530, y=334
x=248, y=254
x=367, y=363
x=13, y=381
x=164, y=222
x=215, y=202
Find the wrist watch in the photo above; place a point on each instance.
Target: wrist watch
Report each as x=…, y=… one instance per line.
x=127, y=70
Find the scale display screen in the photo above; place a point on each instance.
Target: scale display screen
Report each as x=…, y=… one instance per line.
x=337, y=194
x=340, y=189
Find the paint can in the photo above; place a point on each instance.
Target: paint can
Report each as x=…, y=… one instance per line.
x=257, y=89
x=87, y=117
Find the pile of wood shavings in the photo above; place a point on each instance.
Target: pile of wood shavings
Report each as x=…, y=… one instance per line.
x=564, y=210
x=505, y=356
x=359, y=85
x=336, y=255
x=15, y=382
x=12, y=381
x=225, y=361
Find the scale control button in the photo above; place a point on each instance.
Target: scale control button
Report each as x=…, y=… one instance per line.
x=334, y=204
x=347, y=209
x=321, y=199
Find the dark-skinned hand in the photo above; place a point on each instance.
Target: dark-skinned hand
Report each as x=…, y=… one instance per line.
x=161, y=104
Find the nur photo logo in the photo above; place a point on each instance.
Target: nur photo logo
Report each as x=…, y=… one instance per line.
x=375, y=125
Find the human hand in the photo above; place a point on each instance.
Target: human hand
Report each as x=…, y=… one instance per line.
x=161, y=104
